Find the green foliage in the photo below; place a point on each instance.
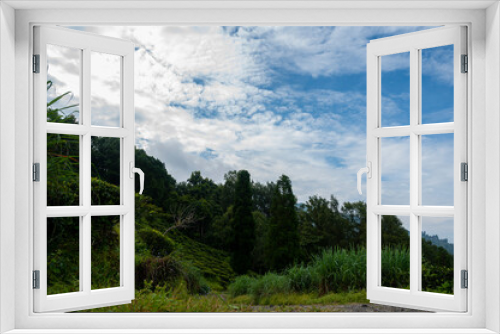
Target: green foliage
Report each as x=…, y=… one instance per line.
x=105, y=264
x=178, y=299
x=158, y=271
x=63, y=168
x=243, y=225
x=437, y=278
x=298, y=301
x=103, y=193
x=158, y=184
x=437, y=268
x=105, y=153
x=393, y=233
x=259, y=254
x=323, y=226
x=169, y=272
x=341, y=270
x=396, y=267
x=355, y=213
x=303, y=278
x=148, y=214
x=195, y=282
x=56, y=115
x=166, y=299
x=158, y=244
x=283, y=243
x=228, y=189
x=333, y=271
x=242, y=285
x=203, y=195
x=222, y=233
x=268, y=285
x=62, y=255
x=212, y=263
x=262, y=197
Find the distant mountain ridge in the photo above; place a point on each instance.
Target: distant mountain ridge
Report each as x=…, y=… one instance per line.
x=435, y=240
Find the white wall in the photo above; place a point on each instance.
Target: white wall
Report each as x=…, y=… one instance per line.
x=7, y=161
x=492, y=167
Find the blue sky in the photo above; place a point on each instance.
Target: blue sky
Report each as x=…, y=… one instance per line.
x=283, y=100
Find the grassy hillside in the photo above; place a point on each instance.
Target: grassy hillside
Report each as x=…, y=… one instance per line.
x=212, y=263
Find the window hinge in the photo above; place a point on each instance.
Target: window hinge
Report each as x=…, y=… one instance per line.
x=464, y=171
x=36, y=63
x=36, y=172
x=36, y=279
x=465, y=279
x=465, y=64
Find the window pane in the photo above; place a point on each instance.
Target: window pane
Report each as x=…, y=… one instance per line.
x=105, y=89
x=395, y=89
x=63, y=170
x=437, y=254
x=105, y=252
x=63, y=84
x=437, y=169
x=437, y=84
x=106, y=171
x=396, y=251
x=63, y=255
x=395, y=170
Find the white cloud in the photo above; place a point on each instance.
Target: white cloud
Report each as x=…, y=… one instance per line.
x=202, y=89
x=317, y=51
x=63, y=69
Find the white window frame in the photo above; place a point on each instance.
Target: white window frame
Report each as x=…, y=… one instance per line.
x=484, y=147
x=414, y=43
x=85, y=298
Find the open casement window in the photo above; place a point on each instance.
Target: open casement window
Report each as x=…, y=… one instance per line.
x=83, y=86
x=412, y=124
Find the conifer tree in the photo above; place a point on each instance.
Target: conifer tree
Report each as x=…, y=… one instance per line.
x=283, y=242
x=243, y=225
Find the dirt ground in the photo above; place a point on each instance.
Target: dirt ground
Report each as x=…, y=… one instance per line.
x=332, y=308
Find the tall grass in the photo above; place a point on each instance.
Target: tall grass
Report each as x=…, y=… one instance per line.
x=302, y=278
x=268, y=285
x=334, y=270
x=340, y=270
x=396, y=267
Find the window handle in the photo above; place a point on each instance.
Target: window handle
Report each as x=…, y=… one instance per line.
x=368, y=171
x=139, y=171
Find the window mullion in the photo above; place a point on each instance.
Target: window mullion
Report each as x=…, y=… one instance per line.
x=85, y=180
x=414, y=170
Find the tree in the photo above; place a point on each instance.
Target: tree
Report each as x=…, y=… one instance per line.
x=221, y=231
x=283, y=241
x=355, y=213
x=158, y=184
x=259, y=255
x=227, y=190
x=243, y=224
x=262, y=197
x=202, y=193
x=106, y=159
x=393, y=233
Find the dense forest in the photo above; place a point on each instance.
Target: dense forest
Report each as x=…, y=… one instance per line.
x=241, y=237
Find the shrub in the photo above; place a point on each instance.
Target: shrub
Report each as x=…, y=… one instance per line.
x=241, y=286
x=269, y=284
x=195, y=282
x=158, y=271
x=158, y=244
x=437, y=278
